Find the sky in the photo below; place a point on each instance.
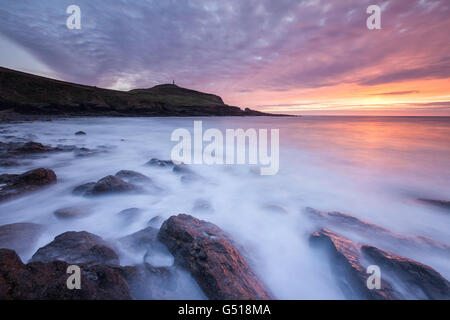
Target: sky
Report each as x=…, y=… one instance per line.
x=308, y=57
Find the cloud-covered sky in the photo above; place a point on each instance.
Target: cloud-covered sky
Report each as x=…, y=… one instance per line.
x=300, y=56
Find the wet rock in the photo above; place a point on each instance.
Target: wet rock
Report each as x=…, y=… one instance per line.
x=77, y=247
x=437, y=203
x=112, y=184
x=210, y=256
x=84, y=188
x=27, y=182
x=345, y=258
x=80, y=133
x=20, y=237
x=160, y=163
x=346, y=222
x=76, y=212
x=415, y=276
x=47, y=281
x=133, y=176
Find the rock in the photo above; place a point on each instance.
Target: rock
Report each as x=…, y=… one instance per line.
x=84, y=188
x=32, y=147
x=437, y=203
x=80, y=133
x=112, y=184
x=210, y=256
x=346, y=261
x=20, y=237
x=133, y=176
x=27, y=182
x=346, y=222
x=77, y=247
x=160, y=163
x=413, y=274
x=47, y=281
x=73, y=212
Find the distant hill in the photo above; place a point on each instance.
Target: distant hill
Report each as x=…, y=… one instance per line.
x=24, y=93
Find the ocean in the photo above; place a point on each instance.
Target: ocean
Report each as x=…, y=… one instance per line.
x=373, y=168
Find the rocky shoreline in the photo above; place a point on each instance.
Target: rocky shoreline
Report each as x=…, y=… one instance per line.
x=219, y=265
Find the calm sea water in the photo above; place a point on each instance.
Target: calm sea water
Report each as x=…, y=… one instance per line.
x=369, y=167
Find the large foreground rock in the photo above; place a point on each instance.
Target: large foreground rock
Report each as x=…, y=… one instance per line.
x=210, y=256
x=20, y=237
x=27, y=182
x=349, y=261
x=48, y=281
x=77, y=247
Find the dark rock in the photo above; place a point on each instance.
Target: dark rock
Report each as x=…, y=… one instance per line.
x=27, y=182
x=112, y=184
x=437, y=203
x=20, y=237
x=80, y=133
x=133, y=176
x=160, y=163
x=84, y=188
x=346, y=261
x=412, y=274
x=342, y=221
x=73, y=212
x=210, y=256
x=48, y=281
x=77, y=247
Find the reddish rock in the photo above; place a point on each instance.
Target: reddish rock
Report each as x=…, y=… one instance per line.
x=48, y=281
x=27, y=182
x=112, y=184
x=345, y=259
x=346, y=222
x=413, y=274
x=209, y=255
x=20, y=237
x=77, y=247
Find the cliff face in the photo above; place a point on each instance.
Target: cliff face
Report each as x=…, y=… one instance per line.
x=29, y=94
